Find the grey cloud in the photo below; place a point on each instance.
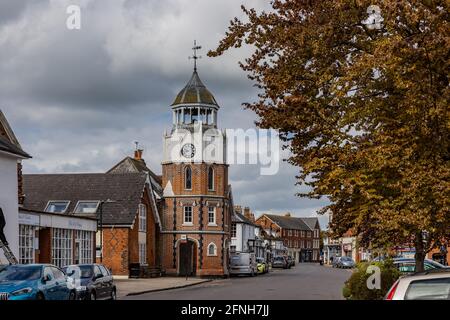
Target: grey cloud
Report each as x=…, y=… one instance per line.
x=78, y=99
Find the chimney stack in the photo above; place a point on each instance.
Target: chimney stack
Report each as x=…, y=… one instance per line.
x=288, y=214
x=138, y=154
x=248, y=214
x=238, y=209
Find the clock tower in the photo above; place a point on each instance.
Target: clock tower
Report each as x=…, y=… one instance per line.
x=197, y=197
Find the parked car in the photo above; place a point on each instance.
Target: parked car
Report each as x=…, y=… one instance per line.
x=336, y=261
x=407, y=265
x=345, y=262
x=262, y=266
x=429, y=285
x=291, y=261
x=280, y=262
x=34, y=282
x=95, y=281
x=243, y=263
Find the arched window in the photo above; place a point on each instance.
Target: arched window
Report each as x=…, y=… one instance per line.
x=188, y=178
x=212, y=249
x=210, y=178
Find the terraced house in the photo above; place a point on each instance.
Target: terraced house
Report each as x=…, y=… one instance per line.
x=301, y=236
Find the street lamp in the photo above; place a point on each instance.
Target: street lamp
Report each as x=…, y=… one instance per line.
x=102, y=202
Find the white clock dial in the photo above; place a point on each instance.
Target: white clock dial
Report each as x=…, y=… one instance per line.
x=188, y=150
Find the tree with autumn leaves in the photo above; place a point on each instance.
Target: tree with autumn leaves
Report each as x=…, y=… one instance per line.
x=362, y=108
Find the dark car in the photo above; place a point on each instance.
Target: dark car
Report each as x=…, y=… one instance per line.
x=280, y=262
x=92, y=281
x=408, y=265
x=291, y=261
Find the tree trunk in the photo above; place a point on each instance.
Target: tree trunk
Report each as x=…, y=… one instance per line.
x=420, y=253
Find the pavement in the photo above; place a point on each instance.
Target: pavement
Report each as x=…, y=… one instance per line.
x=130, y=287
x=305, y=281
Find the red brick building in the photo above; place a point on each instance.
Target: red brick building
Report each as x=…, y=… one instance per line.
x=196, y=213
x=122, y=204
x=301, y=236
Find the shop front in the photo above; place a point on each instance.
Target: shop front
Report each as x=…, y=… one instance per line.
x=55, y=238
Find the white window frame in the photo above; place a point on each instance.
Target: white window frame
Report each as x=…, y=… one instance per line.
x=61, y=201
x=212, y=244
x=185, y=209
x=143, y=253
x=86, y=201
x=142, y=217
x=84, y=238
x=213, y=223
x=233, y=230
x=62, y=247
x=26, y=244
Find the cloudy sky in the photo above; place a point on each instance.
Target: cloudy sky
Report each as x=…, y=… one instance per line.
x=78, y=99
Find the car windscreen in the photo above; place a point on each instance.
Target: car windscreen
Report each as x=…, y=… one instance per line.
x=240, y=260
x=84, y=272
x=20, y=273
x=346, y=259
x=429, y=289
x=279, y=259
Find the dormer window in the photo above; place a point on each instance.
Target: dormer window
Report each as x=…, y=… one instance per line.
x=57, y=206
x=87, y=207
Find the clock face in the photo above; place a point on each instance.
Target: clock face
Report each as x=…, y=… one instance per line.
x=188, y=150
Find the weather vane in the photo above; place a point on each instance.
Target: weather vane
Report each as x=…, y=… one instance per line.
x=195, y=57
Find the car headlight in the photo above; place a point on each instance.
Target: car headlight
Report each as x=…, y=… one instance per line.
x=22, y=291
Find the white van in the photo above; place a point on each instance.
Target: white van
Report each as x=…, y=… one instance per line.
x=243, y=263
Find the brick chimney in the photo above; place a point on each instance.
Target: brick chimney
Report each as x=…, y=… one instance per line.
x=248, y=214
x=138, y=154
x=287, y=214
x=238, y=209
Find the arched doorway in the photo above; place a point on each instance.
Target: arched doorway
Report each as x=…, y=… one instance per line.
x=187, y=262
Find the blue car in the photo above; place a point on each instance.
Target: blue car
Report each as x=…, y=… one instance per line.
x=34, y=282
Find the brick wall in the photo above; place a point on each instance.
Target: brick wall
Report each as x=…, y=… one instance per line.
x=200, y=198
x=116, y=249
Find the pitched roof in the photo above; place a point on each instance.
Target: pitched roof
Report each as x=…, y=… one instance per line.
x=311, y=222
x=240, y=218
x=7, y=146
x=286, y=222
x=195, y=92
x=125, y=189
x=8, y=140
x=130, y=165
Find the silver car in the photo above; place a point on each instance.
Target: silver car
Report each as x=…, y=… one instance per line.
x=345, y=262
x=429, y=285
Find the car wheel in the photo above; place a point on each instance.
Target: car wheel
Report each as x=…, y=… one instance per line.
x=40, y=296
x=113, y=294
x=92, y=296
x=72, y=295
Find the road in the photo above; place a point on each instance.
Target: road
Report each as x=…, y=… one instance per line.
x=304, y=281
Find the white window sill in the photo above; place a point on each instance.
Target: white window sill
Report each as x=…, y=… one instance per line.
x=212, y=224
x=188, y=224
